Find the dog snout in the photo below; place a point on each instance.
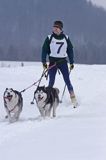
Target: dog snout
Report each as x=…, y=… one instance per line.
x=39, y=96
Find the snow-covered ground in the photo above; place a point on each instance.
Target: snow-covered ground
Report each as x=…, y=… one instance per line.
x=75, y=134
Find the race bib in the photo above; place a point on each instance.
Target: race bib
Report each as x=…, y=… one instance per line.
x=58, y=48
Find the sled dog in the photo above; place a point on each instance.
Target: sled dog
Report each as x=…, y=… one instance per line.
x=47, y=100
x=13, y=103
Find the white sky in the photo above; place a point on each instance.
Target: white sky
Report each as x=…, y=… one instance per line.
x=99, y=3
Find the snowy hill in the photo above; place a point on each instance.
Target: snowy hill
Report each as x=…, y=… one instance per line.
x=75, y=134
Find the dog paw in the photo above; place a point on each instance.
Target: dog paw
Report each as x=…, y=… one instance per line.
x=6, y=116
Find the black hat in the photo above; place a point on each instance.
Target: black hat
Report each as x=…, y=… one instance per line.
x=58, y=24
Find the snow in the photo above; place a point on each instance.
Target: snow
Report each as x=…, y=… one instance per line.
x=75, y=134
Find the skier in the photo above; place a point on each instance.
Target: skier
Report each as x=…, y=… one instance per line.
x=57, y=47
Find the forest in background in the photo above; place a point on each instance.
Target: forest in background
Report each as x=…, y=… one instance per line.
x=24, y=24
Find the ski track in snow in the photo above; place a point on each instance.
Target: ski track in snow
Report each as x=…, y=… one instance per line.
x=82, y=129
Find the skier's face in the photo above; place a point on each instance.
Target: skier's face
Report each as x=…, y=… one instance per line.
x=56, y=30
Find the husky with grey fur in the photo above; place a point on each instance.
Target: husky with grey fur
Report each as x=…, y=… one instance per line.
x=13, y=103
x=47, y=100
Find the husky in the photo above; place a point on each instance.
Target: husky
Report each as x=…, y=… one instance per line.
x=47, y=100
x=13, y=103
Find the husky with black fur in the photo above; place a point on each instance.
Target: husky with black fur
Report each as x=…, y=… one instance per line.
x=47, y=100
x=13, y=103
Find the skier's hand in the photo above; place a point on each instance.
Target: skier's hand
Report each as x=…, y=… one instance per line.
x=45, y=66
x=71, y=66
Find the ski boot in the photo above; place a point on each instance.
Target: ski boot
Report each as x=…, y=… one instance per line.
x=73, y=100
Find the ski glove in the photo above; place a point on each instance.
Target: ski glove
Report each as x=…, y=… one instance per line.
x=71, y=66
x=45, y=66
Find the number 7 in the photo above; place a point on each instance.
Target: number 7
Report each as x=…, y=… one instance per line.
x=61, y=44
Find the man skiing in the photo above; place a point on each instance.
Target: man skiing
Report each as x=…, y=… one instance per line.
x=57, y=47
